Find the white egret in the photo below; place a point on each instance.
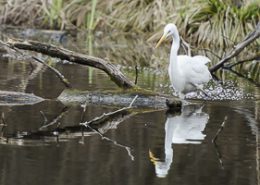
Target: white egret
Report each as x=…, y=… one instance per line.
x=187, y=74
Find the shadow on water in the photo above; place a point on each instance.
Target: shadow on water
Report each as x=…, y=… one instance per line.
x=44, y=143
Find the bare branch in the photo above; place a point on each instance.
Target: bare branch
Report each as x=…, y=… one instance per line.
x=105, y=116
x=209, y=50
x=115, y=74
x=219, y=130
x=54, y=121
x=187, y=46
x=58, y=74
x=238, y=48
x=2, y=125
x=248, y=59
x=127, y=148
x=244, y=77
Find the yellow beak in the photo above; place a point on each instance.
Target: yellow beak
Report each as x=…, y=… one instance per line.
x=160, y=41
x=152, y=158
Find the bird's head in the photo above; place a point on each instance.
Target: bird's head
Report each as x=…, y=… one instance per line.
x=169, y=30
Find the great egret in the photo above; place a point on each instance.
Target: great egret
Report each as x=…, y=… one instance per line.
x=186, y=73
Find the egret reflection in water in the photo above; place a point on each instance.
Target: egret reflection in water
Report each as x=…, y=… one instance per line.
x=185, y=128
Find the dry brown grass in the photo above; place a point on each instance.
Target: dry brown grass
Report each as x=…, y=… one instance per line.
x=199, y=21
x=20, y=12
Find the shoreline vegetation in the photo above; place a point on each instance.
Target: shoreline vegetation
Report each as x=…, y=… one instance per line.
x=209, y=26
x=217, y=22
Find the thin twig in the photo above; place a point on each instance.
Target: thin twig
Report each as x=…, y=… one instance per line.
x=55, y=120
x=215, y=144
x=243, y=76
x=227, y=38
x=127, y=148
x=3, y=125
x=248, y=59
x=136, y=74
x=219, y=130
x=219, y=155
x=131, y=104
x=238, y=48
x=45, y=120
x=103, y=116
x=187, y=46
x=106, y=115
x=58, y=74
x=3, y=119
x=209, y=50
x=83, y=112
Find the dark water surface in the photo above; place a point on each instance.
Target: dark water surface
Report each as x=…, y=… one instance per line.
x=152, y=147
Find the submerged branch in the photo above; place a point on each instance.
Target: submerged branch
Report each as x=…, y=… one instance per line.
x=115, y=74
x=219, y=130
x=54, y=121
x=238, y=48
x=106, y=116
x=49, y=133
x=127, y=148
x=2, y=125
x=215, y=144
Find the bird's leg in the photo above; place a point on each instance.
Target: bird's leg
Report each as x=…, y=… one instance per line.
x=199, y=88
x=182, y=97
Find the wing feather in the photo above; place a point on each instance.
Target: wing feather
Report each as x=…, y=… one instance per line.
x=195, y=69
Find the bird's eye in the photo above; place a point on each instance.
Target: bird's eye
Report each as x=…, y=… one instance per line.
x=169, y=32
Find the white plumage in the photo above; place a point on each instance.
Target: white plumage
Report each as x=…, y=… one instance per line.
x=186, y=73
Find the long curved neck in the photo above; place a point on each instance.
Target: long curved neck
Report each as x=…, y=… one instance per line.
x=174, y=51
x=173, y=67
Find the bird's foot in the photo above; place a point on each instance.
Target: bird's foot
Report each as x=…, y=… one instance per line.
x=185, y=102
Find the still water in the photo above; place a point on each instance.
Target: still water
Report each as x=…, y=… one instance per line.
x=143, y=147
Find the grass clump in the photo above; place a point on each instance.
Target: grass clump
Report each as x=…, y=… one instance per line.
x=215, y=22
x=222, y=22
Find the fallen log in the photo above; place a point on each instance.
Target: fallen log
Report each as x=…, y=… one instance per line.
x=147, y=98
x=70, y=96
x=119, y=98
x=64, y=54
